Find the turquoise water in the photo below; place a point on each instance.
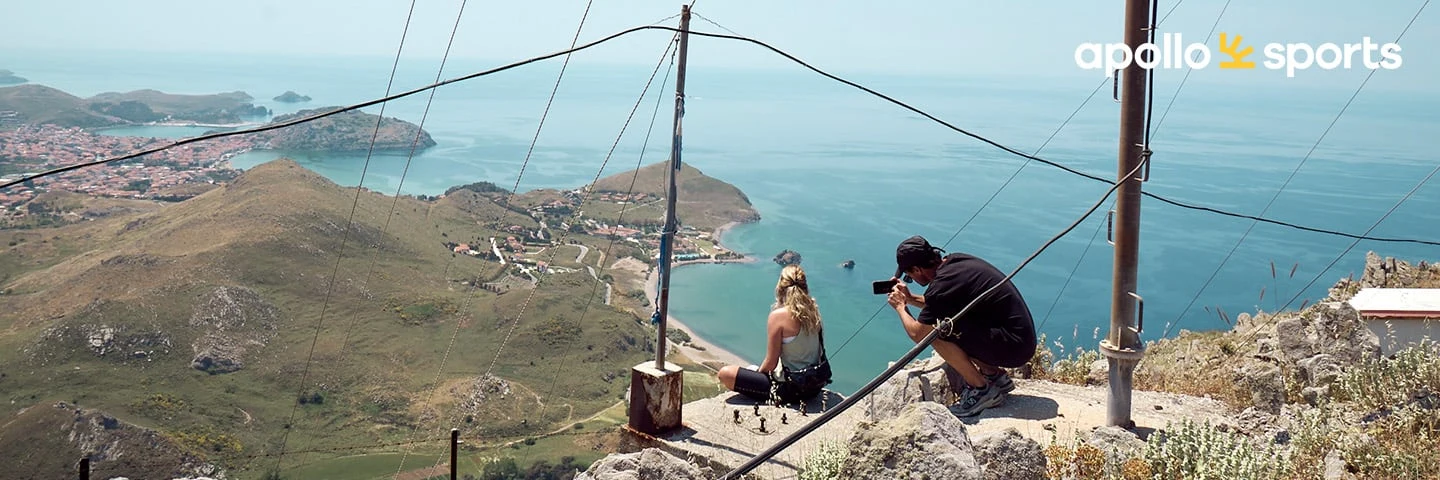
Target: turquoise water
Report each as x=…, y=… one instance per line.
x=840, y=175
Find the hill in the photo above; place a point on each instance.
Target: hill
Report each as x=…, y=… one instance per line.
x=39, y=104
x=704, y=202
x=153, y=105
x=198, y=320
x=349, y=131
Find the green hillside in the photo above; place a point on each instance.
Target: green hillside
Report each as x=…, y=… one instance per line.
x=703, y=202
x=197, y=320
x=39, y=104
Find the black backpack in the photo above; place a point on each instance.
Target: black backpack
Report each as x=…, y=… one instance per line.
x=797, y=385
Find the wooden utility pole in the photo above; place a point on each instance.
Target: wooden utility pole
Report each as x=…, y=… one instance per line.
x=454, y=450
x=1122, y=347
x=656, y=389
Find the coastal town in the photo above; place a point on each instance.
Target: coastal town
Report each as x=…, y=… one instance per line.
x=525, y=247
x=30, y=149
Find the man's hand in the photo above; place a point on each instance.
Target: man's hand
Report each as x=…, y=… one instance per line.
x=899, y=296
x=903, y=289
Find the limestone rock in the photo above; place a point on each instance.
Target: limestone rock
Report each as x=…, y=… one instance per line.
x=1118, y=444
x=1009, y=456
x=1320, y=370
x=1335, y=467
x=1295, y=341
x=1266, y=384
x=647, y=464
x=927, y=380
x=235, y=320
x=925, y=441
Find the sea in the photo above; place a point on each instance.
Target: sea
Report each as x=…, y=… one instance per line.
x=838, y=175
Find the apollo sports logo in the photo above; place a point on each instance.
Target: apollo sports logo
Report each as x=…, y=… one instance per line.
x=1173, y=53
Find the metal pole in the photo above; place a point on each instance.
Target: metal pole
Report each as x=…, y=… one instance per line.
x=1122, y=346
x=667, y=237
x=454, y=446
x=84, y=468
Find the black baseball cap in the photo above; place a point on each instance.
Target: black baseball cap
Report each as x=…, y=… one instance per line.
x=912, y=252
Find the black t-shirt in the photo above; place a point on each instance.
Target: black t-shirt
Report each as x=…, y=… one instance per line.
x=962, y=278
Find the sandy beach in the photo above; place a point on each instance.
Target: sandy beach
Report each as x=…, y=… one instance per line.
x=711, y=353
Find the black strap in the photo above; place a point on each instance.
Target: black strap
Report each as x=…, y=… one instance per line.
x=822, y=345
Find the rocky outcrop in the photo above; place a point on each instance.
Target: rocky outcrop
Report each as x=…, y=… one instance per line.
x=1010, y=456
x=1387, y=272
x=848, y=264
x=787, y=257
x=483, y=389
x=924, y=380
x=116, y=449
x=105, y=329
x=924, y=441
x=235, y=320
x=647, y=464
x=1118, y=444
x=1311, y=348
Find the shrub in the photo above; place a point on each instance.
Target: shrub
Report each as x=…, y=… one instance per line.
x=1199, y=451
x=824, y=462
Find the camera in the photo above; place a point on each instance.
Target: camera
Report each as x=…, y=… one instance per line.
x=883, y=287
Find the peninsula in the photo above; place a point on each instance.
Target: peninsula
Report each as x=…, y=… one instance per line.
x=344, y=132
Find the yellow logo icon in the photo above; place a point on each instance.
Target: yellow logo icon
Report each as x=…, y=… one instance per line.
x=1237, y=55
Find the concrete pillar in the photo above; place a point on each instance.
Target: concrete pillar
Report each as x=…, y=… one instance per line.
x=656, y=398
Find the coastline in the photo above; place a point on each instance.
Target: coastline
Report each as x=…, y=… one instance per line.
x=711, y=353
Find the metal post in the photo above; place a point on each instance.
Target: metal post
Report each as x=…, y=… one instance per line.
x=657, y=390
x=84, y=468
x=1122, y=346
x=667, y=237
x=454, y=446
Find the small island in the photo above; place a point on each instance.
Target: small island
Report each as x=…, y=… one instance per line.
x=788, y=257
x=9, y=78
x=291, y=97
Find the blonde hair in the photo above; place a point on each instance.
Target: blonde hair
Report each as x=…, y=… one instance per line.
x=793, y=293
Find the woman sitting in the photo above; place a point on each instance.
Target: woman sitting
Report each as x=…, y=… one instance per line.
x=793, y=342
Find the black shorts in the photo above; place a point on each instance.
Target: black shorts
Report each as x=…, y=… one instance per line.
x=997, y=347
x=753, y=384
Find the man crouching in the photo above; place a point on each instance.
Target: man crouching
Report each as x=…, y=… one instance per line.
x=997, y=332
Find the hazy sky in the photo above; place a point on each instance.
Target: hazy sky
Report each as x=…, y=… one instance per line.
x=940, y=36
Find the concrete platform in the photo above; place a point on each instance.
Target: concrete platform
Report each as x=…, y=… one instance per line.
x=713, y=433
x=1042, y=411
